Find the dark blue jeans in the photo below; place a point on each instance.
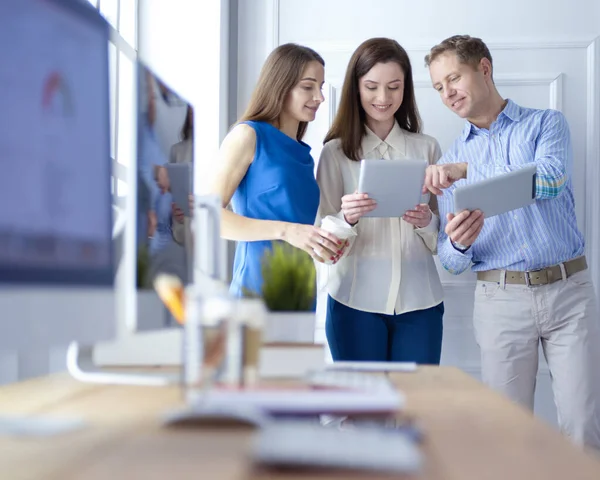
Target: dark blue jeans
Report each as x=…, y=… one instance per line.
x=354, y=335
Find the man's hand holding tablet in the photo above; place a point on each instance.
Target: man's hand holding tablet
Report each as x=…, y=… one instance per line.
x=486, y=198
x=464, y=227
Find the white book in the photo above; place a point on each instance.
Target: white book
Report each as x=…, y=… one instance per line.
x=290, y=360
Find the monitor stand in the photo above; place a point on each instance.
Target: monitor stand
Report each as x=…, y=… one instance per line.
x=80, y=364
x=80, y=361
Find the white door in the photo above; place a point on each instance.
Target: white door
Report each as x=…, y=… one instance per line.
x=546, y=55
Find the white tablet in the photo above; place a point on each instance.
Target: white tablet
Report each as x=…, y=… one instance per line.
x=180, y=180
x=499, y=194
x=394, y=184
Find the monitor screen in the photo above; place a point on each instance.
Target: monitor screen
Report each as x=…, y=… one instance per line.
x=55, y=200
x=164, y=185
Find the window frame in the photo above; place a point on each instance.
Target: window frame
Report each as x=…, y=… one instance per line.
x=122, y=46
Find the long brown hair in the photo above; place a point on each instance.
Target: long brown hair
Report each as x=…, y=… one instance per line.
x=187, y=131
x=280, y=73
x=349, y=122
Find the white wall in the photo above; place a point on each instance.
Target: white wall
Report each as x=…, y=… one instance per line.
x=546, y=55
x=186, y=43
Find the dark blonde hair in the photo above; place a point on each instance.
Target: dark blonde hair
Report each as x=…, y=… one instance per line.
x=279, y=75
x=469, y=50
x=349, y=122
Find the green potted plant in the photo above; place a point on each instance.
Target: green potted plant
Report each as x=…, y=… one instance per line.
x=289, y=290
x=143, y=268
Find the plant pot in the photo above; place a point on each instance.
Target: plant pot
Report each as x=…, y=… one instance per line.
x=297, y=327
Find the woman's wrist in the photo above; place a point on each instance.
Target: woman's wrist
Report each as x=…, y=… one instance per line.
x=282, y=230
x=348, y=221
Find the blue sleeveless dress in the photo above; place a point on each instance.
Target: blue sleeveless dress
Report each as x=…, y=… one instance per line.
x=279, y=185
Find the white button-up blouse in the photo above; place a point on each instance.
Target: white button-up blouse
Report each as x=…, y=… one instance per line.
x=388, y=267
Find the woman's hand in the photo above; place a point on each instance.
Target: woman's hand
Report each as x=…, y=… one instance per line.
x=177, y=213
x=191, y=204
x=162, y=179
x=355, y=205
x=419, y=217
x=318, y=243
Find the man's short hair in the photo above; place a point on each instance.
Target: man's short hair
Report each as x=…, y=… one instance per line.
x=469, y=50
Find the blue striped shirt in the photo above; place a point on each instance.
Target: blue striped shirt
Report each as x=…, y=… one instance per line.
x=539, y=235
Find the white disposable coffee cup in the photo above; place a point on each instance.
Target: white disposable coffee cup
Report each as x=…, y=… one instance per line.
x=339, y=228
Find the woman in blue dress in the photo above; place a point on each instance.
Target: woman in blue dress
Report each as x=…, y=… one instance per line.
x=267, y=172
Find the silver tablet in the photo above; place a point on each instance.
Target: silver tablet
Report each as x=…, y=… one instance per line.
x=394, y=184
x=180, y=179
x=499, y=194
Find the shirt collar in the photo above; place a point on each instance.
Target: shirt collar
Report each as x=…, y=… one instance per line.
x=511, y=111
x=466, y=131
x=395, y=139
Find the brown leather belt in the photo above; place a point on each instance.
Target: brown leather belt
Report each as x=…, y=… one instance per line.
x=544, y=276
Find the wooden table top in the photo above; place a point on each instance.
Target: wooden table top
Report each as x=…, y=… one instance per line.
x=471, y=433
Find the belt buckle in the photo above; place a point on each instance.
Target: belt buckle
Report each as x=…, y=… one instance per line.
x=527, y=279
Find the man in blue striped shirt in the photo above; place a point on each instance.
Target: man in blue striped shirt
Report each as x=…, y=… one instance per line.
x=533, y=284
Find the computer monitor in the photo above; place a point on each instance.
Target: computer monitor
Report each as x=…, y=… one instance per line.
x=56, y=251
x=165, y=158
x=155, y=239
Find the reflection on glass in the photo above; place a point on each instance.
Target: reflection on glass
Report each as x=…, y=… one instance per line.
x=125, y=135
x=164, y=173
x=112, y=55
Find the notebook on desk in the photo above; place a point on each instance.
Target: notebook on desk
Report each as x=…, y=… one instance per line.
x=298, y=402
x=322, y=392
x=374, y=366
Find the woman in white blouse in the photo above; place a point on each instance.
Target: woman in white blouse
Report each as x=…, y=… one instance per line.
x=183, y=152
x=385, y=295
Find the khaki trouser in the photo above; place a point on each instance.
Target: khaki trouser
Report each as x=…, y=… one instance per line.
x=510, y=323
